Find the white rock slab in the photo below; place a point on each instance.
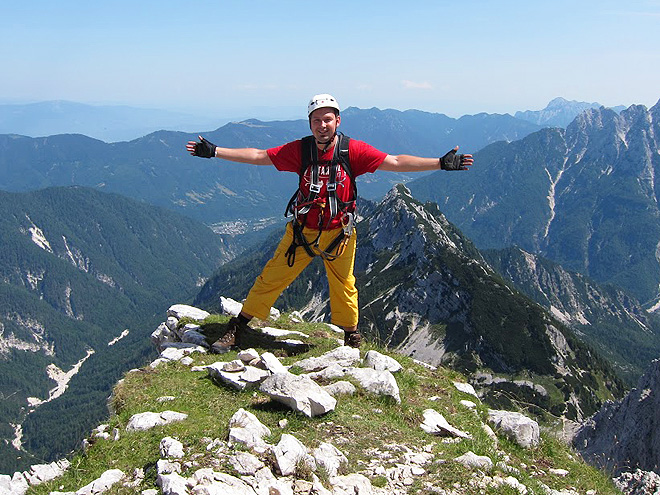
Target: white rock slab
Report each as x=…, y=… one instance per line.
x=378, y=361
x=148, y=420
x=518, y=427
x=377, y=382
x=300, y=393
x=184, y=311
x=436, y=424
x=102, y=484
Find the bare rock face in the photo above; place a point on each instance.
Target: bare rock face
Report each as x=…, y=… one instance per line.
x=623, y=435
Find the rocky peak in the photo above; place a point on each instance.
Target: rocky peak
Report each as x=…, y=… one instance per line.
x=624, y=435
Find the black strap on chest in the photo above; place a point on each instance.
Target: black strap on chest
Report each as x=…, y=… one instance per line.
x=299, y=205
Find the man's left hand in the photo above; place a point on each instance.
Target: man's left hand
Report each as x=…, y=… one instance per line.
x=454, y=161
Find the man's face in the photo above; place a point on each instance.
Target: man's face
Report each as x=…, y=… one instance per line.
x=323, y=123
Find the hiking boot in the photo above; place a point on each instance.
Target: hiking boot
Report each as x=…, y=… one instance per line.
x=352, y=339
x=231, y=337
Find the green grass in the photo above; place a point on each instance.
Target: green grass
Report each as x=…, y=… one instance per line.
x=360, y=426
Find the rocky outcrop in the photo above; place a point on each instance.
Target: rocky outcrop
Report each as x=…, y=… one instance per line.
x=624, y=435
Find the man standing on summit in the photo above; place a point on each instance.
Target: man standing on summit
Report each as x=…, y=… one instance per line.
x=327, y=163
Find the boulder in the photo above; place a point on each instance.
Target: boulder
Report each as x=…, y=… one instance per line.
x=172, y=484
x=272, y=364
x=352, y=484
x=518, y=427
x=465, y=388
x=245, y=429
x=330, y=458
x=224, y=484
x=180, y=311
x=376, y=382
x=300, y=393
x=381, y=362
x=229, y=306
x=171, y=448
x=289, y=453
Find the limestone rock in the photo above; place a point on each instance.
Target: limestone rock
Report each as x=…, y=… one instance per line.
x=102, y=484
x=518, y=427
x=40, y=473
x=300, y=393
x=148, y=420
x=352, y=484
x=343, y=356
x=172, y=484
x=184, y=311
x=248, y=376
x=624, y=435
x=377, y=382
x=330, y=458
x=465, y=388
x=272, y=364
x=246, y=429
x=436, y=424
x=340, y=388
x=474, y=461
x=289, y=452
x=378, y=361
x=229, y=306
x=248, y=355
x=245, y=463
x=279, y=332
x=171, y=448
x=167, y=467
x=638, y=482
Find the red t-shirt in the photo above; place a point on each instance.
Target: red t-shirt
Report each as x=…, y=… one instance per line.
x=364, y=159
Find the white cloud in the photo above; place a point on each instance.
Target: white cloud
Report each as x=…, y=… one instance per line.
x=416, y=85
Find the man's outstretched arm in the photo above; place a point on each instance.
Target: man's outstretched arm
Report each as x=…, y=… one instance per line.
x=207, y=149
x=410, y=163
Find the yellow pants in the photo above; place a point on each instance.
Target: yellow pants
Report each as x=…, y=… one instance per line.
x=277, y=275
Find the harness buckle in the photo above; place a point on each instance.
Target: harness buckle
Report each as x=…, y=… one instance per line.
x=348, y=222
x=331, y=186
x=315, y=188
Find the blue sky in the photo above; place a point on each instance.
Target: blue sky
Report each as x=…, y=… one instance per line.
x=240, y=58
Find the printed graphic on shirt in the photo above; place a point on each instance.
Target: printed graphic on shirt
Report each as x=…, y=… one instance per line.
x=341, y=179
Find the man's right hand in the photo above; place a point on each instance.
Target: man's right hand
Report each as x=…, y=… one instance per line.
x=202, y=148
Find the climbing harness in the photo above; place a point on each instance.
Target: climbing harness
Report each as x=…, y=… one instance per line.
x=300, y=206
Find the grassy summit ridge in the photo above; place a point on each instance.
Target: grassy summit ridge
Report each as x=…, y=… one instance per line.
x=373, y=432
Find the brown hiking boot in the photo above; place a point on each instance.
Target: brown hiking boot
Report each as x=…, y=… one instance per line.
x=231, y=337
x=352, y=339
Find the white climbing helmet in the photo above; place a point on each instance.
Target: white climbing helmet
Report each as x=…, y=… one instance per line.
x=322, y=101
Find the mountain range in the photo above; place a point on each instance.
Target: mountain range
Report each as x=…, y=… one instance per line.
x=559, y=112
x=584, y=197
x=107, y=123
x=157, y=169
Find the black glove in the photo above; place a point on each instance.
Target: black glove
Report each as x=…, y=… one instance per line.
x=452, y=161
x=205, y=149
